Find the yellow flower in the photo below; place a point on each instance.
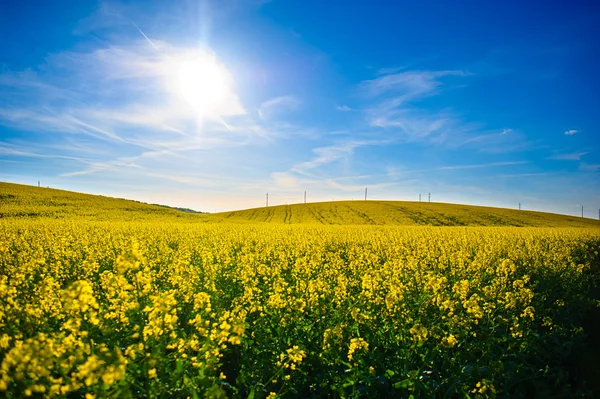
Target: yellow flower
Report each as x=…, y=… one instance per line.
x=152, y=373
x=450, y=341
x=355, y=345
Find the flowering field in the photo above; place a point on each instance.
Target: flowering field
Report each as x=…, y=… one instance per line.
x=163, y=308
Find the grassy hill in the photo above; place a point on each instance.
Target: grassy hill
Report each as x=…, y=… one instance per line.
x=20, y=201
x=402, y=213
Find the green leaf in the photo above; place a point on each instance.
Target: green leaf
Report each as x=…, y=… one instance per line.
x=404, y=384
x=413, y=374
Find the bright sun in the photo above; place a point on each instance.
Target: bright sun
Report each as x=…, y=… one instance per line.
x=204, y=84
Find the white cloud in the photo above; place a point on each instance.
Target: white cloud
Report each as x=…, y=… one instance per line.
x=411, y=124
x=17, y=151
x=574, y=156
x=55, y=120
x=523, y=175
x=329, y=154
x=394, y=107
x=409, y=85
x=487, y=165
x=118, y=164
x=269, y=108
x=494, y=142
x=571, y=132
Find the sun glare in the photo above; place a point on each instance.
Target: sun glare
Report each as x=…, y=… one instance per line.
x=203, y=83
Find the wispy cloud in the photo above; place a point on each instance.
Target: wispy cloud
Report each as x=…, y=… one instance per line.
x=131, y=85
x=486, y=165
x=496, y=142
x=410, y=124
x=573, y=156
x=393, y=98
x=270, y=107
x=571, y=132
x=325, y=155
x=402, y=173
x=394, y=106
x=329, y=154
x=12, y=150
x=523, y=175
x=118, y=164
x=65, y=120
x=409, y=85
x=586, y=167
x=391, y=108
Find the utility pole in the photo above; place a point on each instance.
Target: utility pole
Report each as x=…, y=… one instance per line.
x=419, y=197
x=305, y=197
x=365, y=193
x=267, y=199
x=581, y=210
x=519, y=206
x=429, y=197
x=38, y=183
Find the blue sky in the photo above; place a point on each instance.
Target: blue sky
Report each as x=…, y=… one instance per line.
x=478, y=102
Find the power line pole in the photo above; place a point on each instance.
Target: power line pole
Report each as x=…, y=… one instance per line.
x=38, y=183
x=365, y=193
x=419, y=197
x=305, y=197
x=519, y=206
x=581, y=210
x=267, y=199
x=429, y=197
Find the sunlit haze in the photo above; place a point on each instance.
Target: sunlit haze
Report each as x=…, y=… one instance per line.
x=211, y=105
x=203, y=84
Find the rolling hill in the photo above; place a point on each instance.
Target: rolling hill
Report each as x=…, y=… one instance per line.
x=21, y=201
x=403, y=213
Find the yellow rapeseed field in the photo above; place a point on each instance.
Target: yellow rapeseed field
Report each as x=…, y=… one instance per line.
x=170, y=308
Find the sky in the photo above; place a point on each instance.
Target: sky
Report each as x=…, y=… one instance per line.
x=211, y=104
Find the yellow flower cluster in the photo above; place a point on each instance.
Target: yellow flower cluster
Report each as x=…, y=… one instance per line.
x=484, y=388
x=357, y=344
x=450, y=341
x=291, y=358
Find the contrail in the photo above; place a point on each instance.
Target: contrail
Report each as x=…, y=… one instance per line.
x=225, y=124
x=143, y=34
